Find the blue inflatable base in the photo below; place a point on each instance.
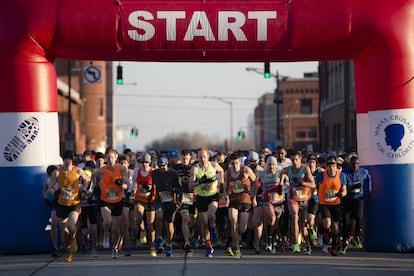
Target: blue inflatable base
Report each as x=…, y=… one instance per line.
x=25, y=215
x=389, y=214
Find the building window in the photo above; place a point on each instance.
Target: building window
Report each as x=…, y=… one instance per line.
x=301, y=134
x=100, y=107
x=312, y=132
x=306, y=106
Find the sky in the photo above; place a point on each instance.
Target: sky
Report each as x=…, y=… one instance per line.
x=163, y=98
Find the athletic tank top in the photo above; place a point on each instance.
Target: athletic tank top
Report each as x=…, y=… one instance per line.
x=207, y=189
x=142, y=194
x=328, y=189
x=239, y=187
x=68, y=187
x=110, y=192
x=270, y=188
x=298, y=192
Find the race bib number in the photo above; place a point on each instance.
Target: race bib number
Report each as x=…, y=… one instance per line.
x=330, y=195
x=165, y=196
x=298, y=192
x=112, y=194
x=207, y=187
x=187, y=198
x=356, y=187
x=275, y=198
x=144, y=192
x=67, y=193
x=236, y=187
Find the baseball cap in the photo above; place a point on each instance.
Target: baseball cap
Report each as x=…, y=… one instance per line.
x=162, y=160
x=146, y=157
x=253, y=156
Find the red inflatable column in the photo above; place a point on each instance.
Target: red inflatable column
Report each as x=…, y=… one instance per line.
x=384, y=74
x=29, y=138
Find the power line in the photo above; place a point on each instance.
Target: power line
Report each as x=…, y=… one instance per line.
x=184, y=96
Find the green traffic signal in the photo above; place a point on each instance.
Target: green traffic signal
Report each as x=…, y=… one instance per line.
x=134, y=132
x=240, y=135
x=266, y=73
x=119, y=78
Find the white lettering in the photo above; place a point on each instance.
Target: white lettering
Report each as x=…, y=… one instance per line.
x=199, y=26
x=148, y=28
x=262, y=17
x=199, y=18
x=171, y=22
x=235, y=27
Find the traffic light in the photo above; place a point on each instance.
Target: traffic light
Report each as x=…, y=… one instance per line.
x=134, y=132
x=240, y=135
x=266, y=73
x=119, y=78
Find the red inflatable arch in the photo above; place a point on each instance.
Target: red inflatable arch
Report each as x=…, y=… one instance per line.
x=377, y=35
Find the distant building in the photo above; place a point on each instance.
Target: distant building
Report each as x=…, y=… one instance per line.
x=297, y=121
x=300, y=109
x=337, y=106
x=91, y=120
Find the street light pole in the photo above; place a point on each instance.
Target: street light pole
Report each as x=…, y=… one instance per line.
x=276, y=100
x=230, y=103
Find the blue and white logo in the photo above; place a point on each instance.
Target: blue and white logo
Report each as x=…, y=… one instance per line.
x=393, y=134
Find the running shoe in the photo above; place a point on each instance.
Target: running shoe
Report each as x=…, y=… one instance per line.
x=168, y=250
x=94, y=253
x=257, y=249
x=343, y=248
x=55, y=253
x=127, y=252
x=308, y=251
x=159, y=245
x=187, y=248
x=153, y=252
x=143, y=237
x=105, y=243
x=114, y=253
x=268, y=247
x=229, y=251
x=209, y=252
x=237, y=255
x=296, y=248
x=325, y=249
x=334, y=252
x=358, y=243
x=213, y=233
x=273, y=249
x=69, y=258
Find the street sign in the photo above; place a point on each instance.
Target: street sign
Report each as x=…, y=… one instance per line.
x=92, y=74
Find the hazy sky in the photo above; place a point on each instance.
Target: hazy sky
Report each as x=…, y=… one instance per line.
x=164, y=98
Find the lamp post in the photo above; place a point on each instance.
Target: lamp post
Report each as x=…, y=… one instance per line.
x=277, y=99
x=230, y=103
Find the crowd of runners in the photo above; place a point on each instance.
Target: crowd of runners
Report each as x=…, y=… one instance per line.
x=281, y=201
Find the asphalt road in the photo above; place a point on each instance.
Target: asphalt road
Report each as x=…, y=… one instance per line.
x=355, y=263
